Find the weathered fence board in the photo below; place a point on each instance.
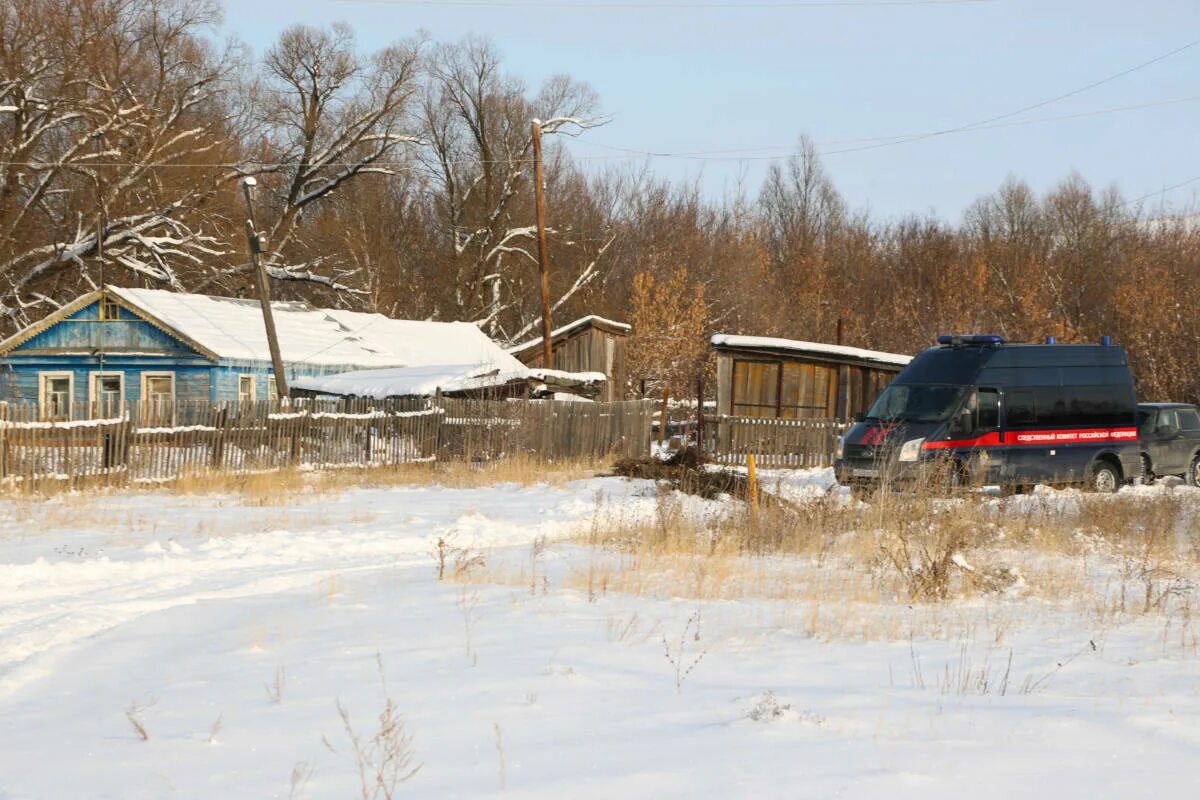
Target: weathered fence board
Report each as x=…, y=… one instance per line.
x=774, y=442
x=161, y=444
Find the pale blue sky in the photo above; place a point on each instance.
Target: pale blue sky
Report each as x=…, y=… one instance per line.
x=746, y=78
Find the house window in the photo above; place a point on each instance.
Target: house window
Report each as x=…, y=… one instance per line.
x=158, y=398
x=272, y=391
x=106, y=394
x=245, y=389
x=55, y=395
x=109, y=309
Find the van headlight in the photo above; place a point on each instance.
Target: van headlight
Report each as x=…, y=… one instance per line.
x=911, y=450
x=839, y=449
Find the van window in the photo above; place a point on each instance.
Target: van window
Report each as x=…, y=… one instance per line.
x=907, y=402
x=1063, y=406
x=1019, y=408
x=989, y=410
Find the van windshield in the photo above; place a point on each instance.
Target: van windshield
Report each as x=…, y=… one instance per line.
x=911, y=402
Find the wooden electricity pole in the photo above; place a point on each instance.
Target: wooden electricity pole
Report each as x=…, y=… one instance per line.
x=543, y=247
x=255, y=240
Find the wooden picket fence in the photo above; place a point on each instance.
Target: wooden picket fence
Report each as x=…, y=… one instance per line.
x=774, y=442
x=157, y=444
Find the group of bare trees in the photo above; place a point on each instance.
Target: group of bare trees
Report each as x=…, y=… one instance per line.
x=395, y=180
x=400, y=181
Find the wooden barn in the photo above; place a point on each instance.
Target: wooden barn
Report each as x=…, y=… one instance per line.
x=154, y=348
x=589, y=344
x=759, y=376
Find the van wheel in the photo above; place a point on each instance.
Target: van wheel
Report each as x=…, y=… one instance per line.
x=1105, y=478
x=1147, y=475
x=1193, y=473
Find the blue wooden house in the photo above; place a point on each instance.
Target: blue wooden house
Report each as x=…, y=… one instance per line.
x=115, y=347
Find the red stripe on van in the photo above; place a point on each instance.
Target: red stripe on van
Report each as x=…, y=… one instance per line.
x=1040, y=437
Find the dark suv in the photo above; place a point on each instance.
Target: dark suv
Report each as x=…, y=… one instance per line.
x=1169, y=439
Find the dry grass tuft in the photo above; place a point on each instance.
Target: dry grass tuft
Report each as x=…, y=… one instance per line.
x=883, y=567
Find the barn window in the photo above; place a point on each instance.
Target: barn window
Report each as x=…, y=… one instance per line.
x=106, y=394
x=158, y=398
x=755, y=388
x=55, y=391
x=245, y=389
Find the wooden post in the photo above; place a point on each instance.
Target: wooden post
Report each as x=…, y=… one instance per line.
x=700, y=413
x=751, y=485
x=254, y=239
x=662, y=420
x=543, y=246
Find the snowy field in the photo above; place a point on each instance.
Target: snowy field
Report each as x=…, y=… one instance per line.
x=231, y=633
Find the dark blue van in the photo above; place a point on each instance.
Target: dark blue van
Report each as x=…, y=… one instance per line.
x=983, y=411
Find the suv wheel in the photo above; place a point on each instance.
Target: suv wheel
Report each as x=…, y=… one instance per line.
x=1193, y=473
x=1147, y=476
x=1105, y=478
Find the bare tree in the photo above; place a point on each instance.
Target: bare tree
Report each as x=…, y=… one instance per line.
x=112, y=129
x=476, y=122
x=328, y=116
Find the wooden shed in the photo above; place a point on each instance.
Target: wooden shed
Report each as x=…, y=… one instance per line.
x=759, y=376
x=589, y=344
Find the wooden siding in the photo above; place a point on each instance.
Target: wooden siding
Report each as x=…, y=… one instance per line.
x=85, y=332
x=588, y=349
x=767, y=385
x=82, y=344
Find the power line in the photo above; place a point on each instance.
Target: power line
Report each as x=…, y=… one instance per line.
x=1163, y=190
x=983, y=123
x=629, y=154
x=654, y=6
x=1032, y=106
x=739, y=154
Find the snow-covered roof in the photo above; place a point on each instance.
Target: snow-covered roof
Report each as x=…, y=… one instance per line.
x=590, y=319
x=424, y=381
x=810, y=348
x=232, y=328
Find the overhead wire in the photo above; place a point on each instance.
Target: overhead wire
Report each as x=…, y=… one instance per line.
x=589, y=5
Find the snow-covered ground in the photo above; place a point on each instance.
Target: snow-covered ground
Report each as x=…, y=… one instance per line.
x=232, y=632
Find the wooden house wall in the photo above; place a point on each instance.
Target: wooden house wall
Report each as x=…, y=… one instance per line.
x=83, y=344
x=588, y=349
x=768, y=385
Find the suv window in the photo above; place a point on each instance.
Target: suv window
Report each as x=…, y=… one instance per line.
x=1189, y=420
x=1167, y=421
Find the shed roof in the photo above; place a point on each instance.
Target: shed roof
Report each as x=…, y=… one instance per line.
x=793, y=346
x=424, y=381
x=609, y=325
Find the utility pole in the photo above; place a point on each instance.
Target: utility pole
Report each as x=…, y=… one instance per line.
x=255, y=241
x=101, y=224
x=543, y=247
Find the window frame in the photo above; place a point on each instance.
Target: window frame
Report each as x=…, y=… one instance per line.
x=94, y=379
x=43, y=379
x=107, y=303
x=144, y=379
x=253, y=389
x=774, y=408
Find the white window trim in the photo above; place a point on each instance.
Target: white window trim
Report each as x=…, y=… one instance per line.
x=253, y=387
x=94, y=382
x=45, y=376
x=159, y=374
